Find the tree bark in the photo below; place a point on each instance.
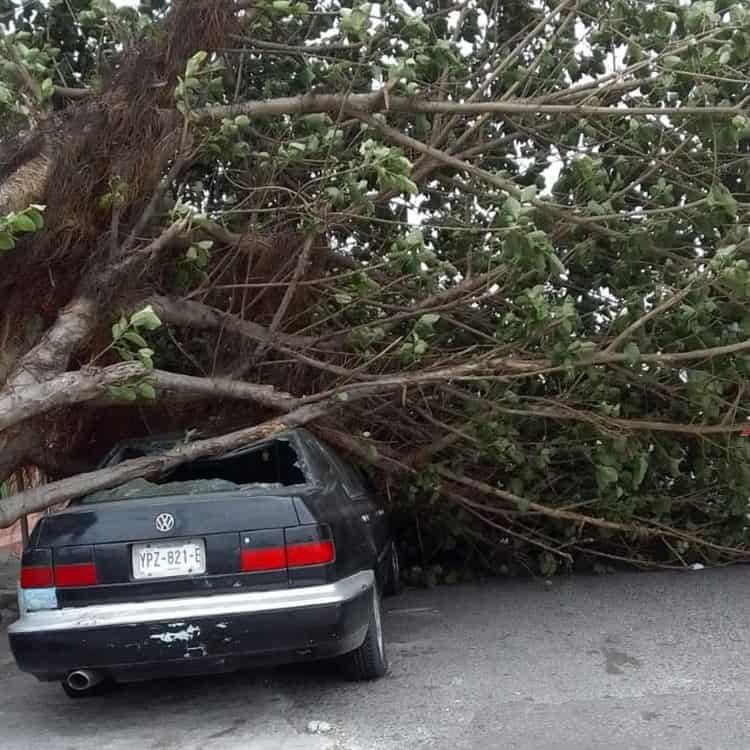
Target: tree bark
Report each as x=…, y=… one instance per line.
x=51, y=355
x=17, y=405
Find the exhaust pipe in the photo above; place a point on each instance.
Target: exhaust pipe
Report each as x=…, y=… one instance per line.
x=82, y=680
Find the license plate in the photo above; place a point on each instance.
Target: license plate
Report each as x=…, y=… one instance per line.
x=186, y=557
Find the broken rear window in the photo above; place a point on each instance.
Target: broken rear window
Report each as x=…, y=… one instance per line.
x=269, y=466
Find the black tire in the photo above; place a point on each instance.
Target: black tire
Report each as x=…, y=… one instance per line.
x=369, y=661
x=392, y=584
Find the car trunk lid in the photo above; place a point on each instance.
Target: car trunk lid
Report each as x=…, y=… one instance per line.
x=111, y=535
x=194, y=515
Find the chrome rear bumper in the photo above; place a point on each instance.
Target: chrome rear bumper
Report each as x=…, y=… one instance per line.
x=190, y=608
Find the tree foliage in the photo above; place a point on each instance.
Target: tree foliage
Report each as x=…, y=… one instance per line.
x=505, y=243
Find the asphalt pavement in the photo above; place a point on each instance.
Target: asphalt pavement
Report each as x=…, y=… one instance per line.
x=625, y=662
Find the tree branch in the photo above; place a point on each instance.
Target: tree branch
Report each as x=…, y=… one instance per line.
x=174, y=384
x=44, y=496
x=19, y=404
x=51, y=355
x=65, y=92
x=508, y=186
x=367, y=103
x=188, y=314
x=580, y=518
x=650, y=315
x=278, y=318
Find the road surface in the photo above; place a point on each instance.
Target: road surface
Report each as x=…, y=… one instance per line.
x=625, y=662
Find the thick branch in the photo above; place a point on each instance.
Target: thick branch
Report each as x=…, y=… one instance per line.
x=171, y=384
x=51, y=355
x=19, y=404
x=30, y=501
x=76, y=322
x=312, y=103
x=92, y=383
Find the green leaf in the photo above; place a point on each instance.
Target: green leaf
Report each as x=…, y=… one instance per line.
x=144, y=355
x=632, y=353
x=135, y=338
x=724, y=254
x=513, y=208
x=720, y=197
x=355, y=22
x=402, y=183
x=147, y=391
x=556, y=265
x=547, y=564
x=606, y=476
x=428, y=320
x=640, y=468
x=145, y=318
x=35, y=215
x=122, y=392
x=195, y=63
x=6, y=241
x=47, y=88
x=22, y=223
x=241, y=150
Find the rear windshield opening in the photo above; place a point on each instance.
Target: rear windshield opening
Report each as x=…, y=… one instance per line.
x=274, y=463
x=271, y=465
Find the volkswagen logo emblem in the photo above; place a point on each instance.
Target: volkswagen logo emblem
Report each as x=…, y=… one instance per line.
x=164, y=522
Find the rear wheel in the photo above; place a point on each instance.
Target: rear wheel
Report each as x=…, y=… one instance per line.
x=369, y=661
x=392, y=585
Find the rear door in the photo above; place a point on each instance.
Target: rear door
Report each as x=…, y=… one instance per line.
x=366, y=505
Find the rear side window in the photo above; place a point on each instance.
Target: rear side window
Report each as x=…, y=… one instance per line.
x=271, y=465
x=349, y=476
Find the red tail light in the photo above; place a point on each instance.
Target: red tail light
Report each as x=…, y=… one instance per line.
x=267, y=558
x=310, y=553
x=36, y=577
x=79, y=574
x=285, y=549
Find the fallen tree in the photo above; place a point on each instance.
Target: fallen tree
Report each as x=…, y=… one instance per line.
x=498, y=251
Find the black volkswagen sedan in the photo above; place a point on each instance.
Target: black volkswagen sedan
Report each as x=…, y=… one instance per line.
x=275, y=553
